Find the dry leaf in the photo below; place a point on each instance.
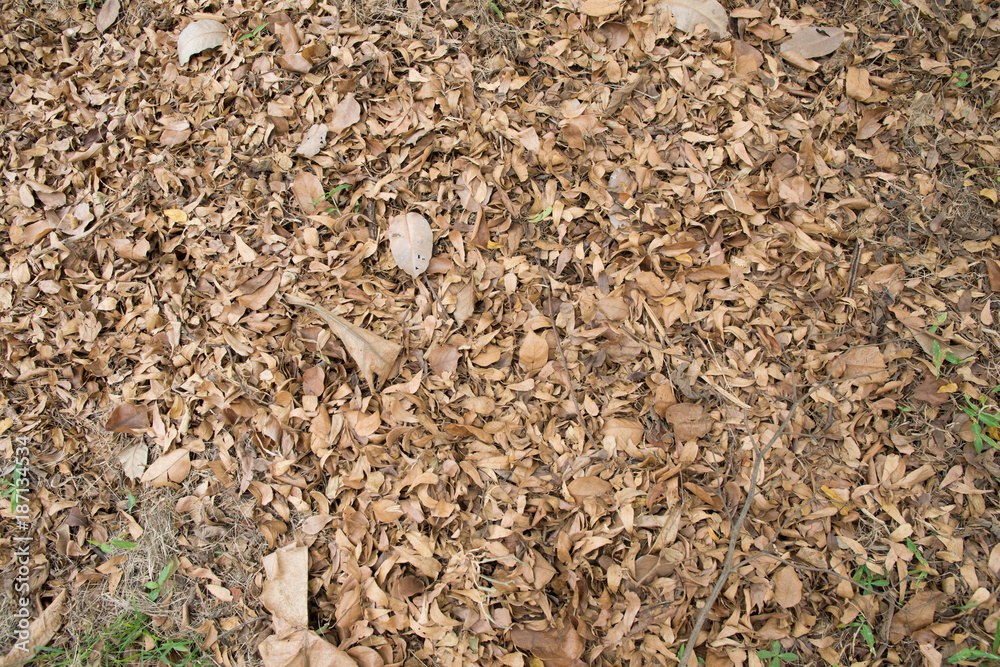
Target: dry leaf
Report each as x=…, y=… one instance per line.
x=107, y=15
x=286, y=586
x=787, y=587
x=690, y=13
x=689, y=421
x=600, y=7
x=347, y=113
x=159, y=472
x=534, y=352
x=857, y=85
x=374, y=355
x=814, y=42
x=302, y=648
x=199, y=36
x=40, y=631
x=308, y=191
x=588, y=487
x=993, y=270
x=257, y=291
x=133, y=460
x=129, y=418
x=175, y=132
x=312, y=381
x=313, y=141
x=555, y=647
x=443, y=359
x=915, y=615
x=411, y=243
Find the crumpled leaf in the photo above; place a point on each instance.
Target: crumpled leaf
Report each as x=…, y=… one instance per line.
x=313, y=141
x=107, y=15
x=690, y=13
x=171, y=467
x=411, y=242
x=814, y=42
x=689, y=421
x=199, y=36
x=374, y=355
x=286, y=587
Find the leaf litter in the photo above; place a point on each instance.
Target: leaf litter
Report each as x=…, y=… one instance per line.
x=688, y=356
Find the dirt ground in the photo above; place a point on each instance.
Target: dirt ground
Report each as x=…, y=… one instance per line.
x=502, y=333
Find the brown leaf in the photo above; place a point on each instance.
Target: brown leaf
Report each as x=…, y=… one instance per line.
x=588, y=487
x=787, y=587
x=534, y=352
x=40, y=631
x=107, y=15
x=689, y=14
x=857, y=85
x=443, y=359
x=374, y=355
x=129, y=418
x=928, y=392
x=689, y=421
x=993, y=269
x=411, y=242
x=345, y=114
x=256, y=295
x=159, y=471
x=600, y=7
x=133, y=460
x=915, y=615
x=555, y=647
x=313, y=141
x=312, y=381
x=863, y=365
x=302, y=648
x=813, y=42
x=308, y=191
x=286, y=585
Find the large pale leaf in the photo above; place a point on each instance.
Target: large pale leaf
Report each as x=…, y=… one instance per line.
x=286, y=588
x=411, y=242
x=690, y=13
x=108, y=14
x=814, y=42
x=199, y=36
x=374, y=355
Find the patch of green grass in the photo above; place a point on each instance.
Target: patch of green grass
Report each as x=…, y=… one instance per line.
x=775, y=657
x=11, y=488
x=129, y=639
x=863, y=628
x=985, y=421
x=972, y=656
x=109, y=546
x=331, y=196
x=156, y=587
x=868, y=579
x=253, y=34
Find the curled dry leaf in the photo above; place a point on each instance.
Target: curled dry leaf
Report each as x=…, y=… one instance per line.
x=814, y=42
x=40, y=631
x=199, y=36
x=300, y=648
x=689, y=421
x=787, y=587
x=374, y=355
x=598, y=8
x=411, y=243
x=691, y=13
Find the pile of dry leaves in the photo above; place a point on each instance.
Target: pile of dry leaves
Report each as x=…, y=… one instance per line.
x=496, y=332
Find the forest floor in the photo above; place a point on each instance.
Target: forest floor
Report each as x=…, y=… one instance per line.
x=703, y=349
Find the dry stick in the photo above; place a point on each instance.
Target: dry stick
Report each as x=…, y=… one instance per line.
x=734, y=533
